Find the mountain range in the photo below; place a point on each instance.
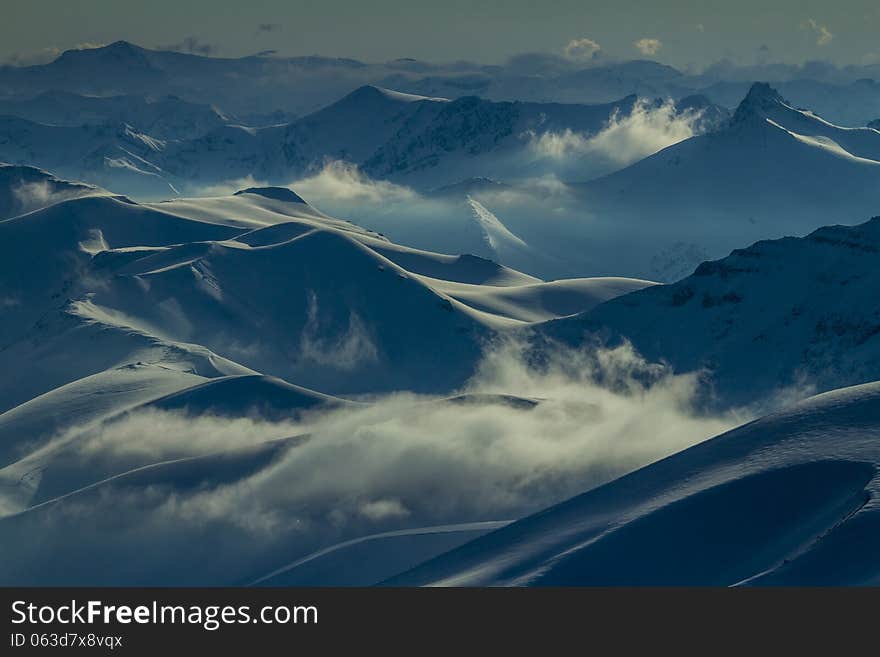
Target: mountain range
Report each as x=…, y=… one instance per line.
x=549, y=322
x=267, y=84
x=257, y=312
x=137, y=148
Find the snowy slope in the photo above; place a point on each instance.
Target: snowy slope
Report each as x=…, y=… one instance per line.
x=368, y=560
x=84, y=401
x=45, y=459
x=254, y=282
x=64, y=238
x=787, y=499
x=795, y=313
x=539, y=302
x=242, y=322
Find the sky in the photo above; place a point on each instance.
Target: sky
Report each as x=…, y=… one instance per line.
x=683, y=33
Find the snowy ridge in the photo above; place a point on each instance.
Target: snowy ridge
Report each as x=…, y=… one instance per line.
x=788, y=499
x=794, y=313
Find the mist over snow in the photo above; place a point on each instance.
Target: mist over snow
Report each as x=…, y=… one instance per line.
x=342, y=182
x=648, y=128
x=568, y=319
x=516, y=438
x=353, y=348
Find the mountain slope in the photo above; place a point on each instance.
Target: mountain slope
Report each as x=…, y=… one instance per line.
x=65, y=237
x=794, y=313
x=255, y=282
x=787, y=499
x=473, y=137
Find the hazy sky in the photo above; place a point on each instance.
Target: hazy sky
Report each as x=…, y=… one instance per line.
x=678, y=32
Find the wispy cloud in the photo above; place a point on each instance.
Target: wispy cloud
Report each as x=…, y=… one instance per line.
x=648, y=46
x=228, y=187
x=626, y=138
x=343, y=181
x=582, y=49
x=413, y=460
x=821, y=32
x=353, y=348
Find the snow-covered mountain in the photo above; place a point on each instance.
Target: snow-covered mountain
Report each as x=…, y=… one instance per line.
x=766, y=323
x=351, y=129
x=772, y=171
x=422, y=141
x=231, y=381
x=850, y=104
x=267, y=84
x=250, y=322
x=259, y=278
x=264, y=84
x=117, y=157
x=240, y=308
x=167, y=117
x=787, y=500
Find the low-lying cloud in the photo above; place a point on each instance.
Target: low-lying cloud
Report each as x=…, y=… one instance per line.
x=402, y=461
x=626, y=138
x=33, y=195
x=353, y=348
x=342, y=181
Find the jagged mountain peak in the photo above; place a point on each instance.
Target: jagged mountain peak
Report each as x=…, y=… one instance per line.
x=370, y=92
x=761, y=99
